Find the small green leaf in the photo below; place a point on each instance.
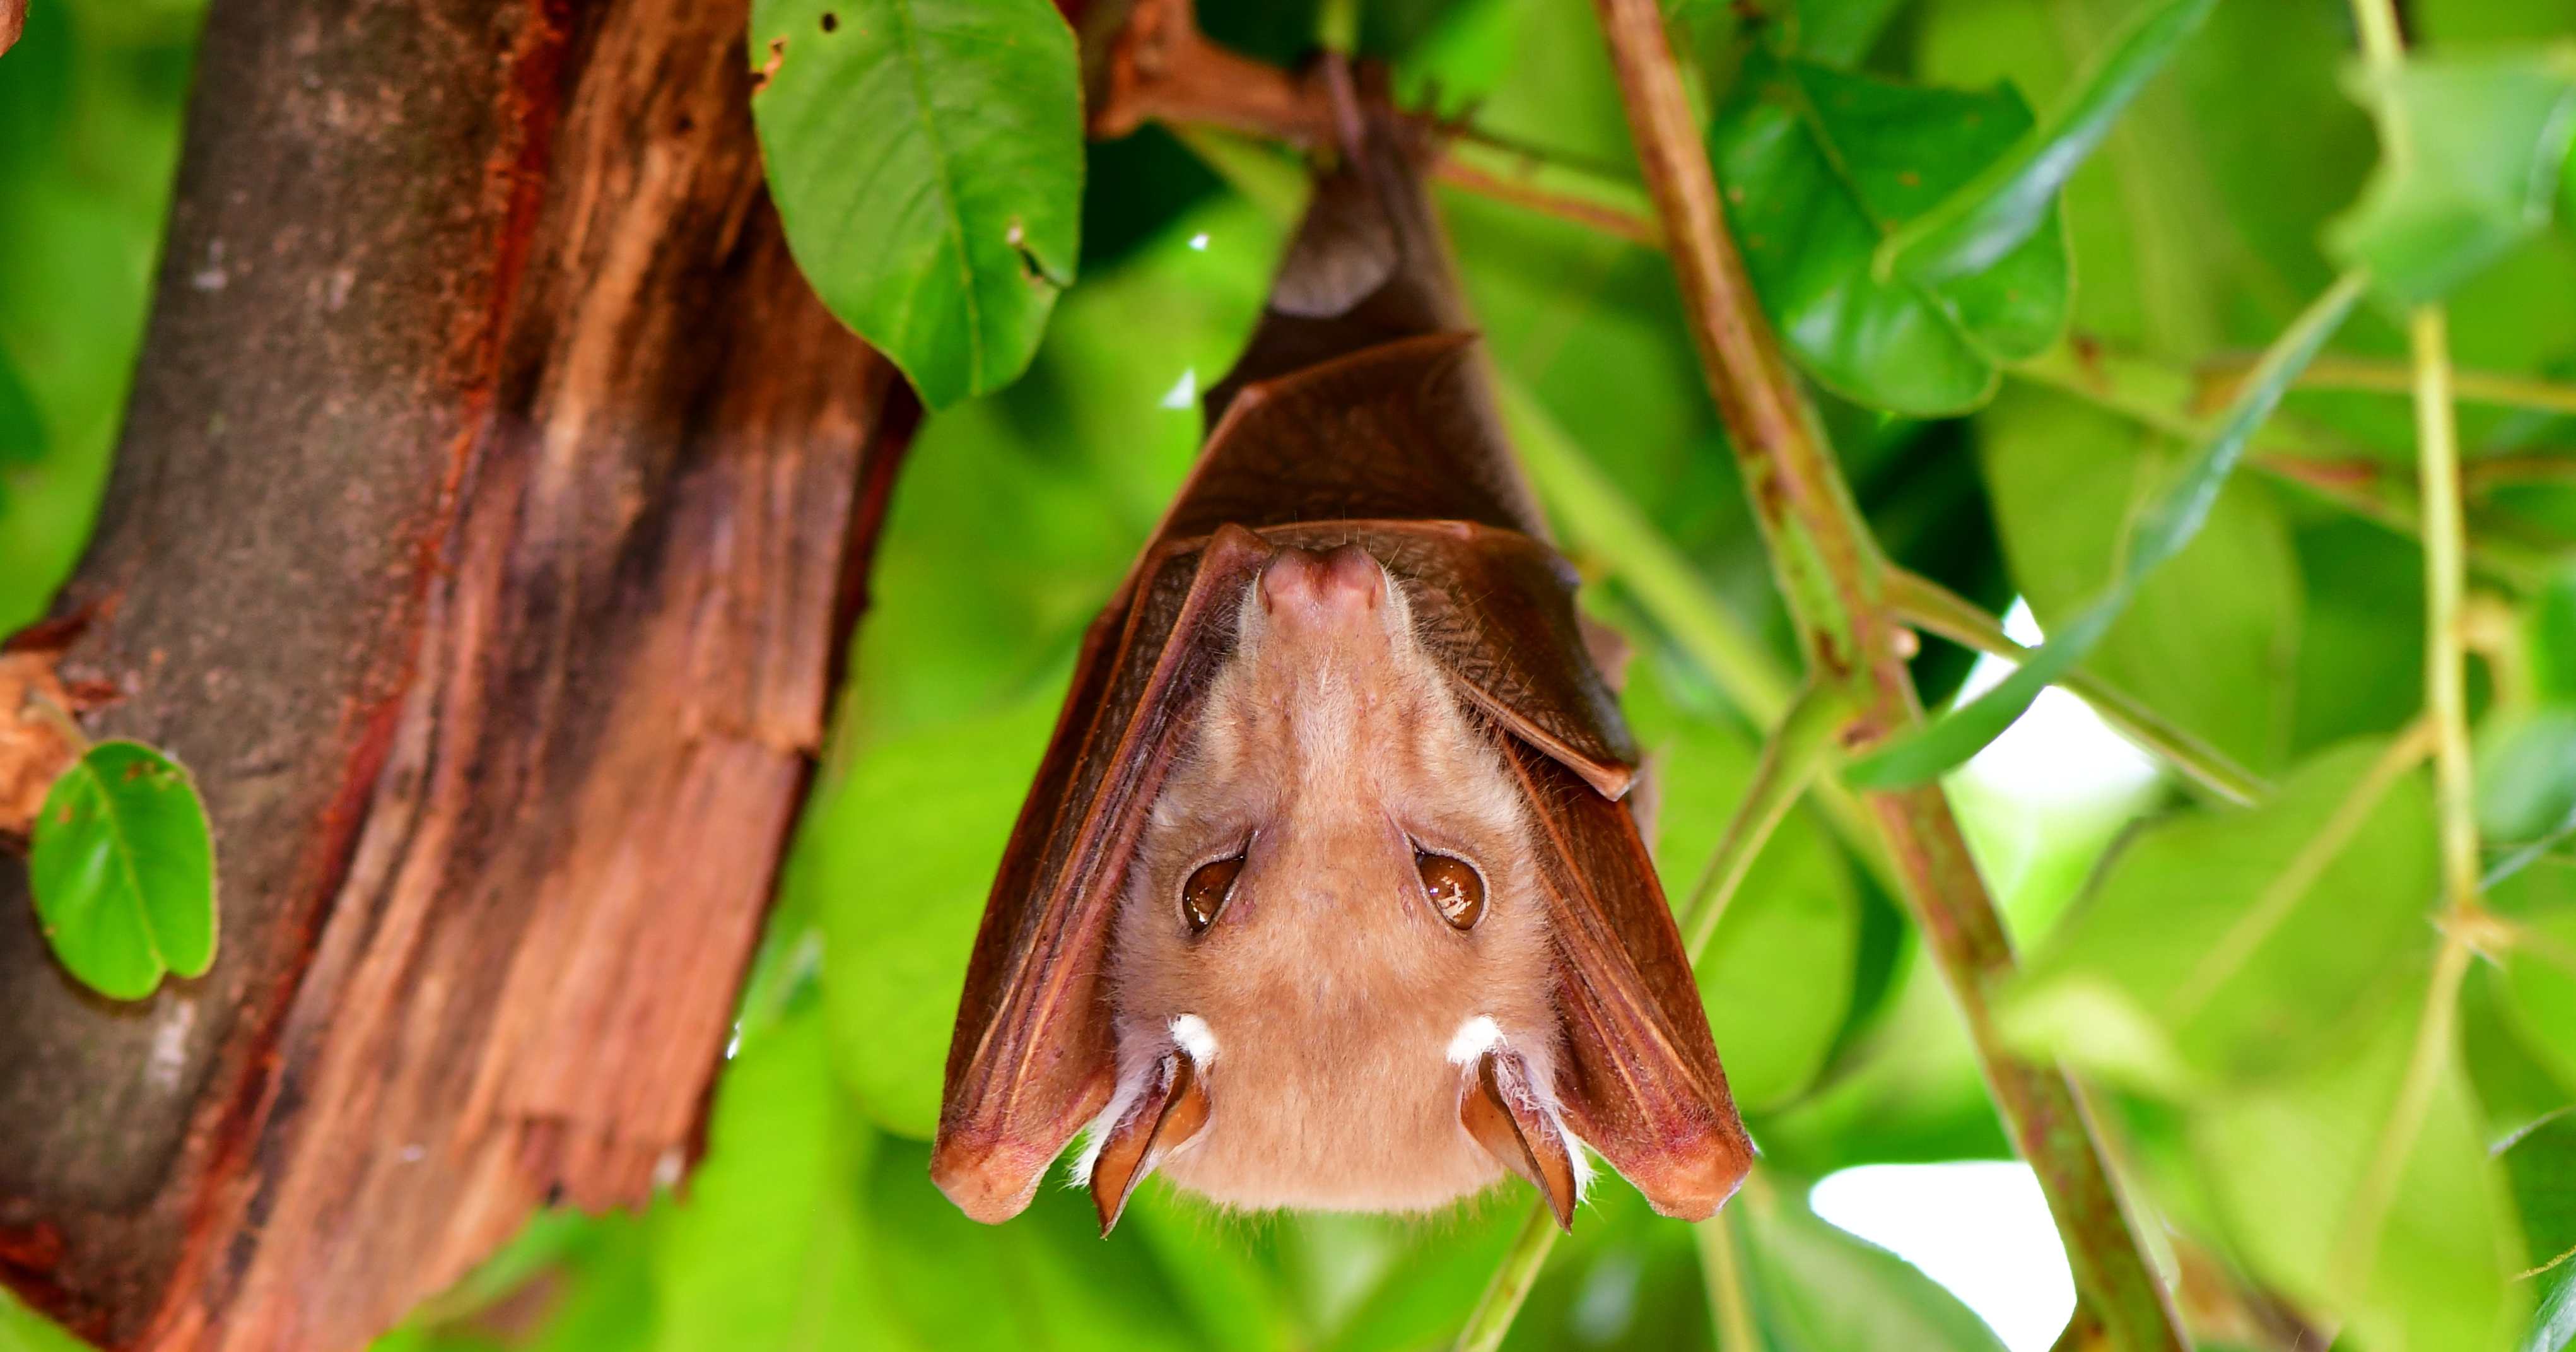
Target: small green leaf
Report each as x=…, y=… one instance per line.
x=122, y=868
x=2541, y=1162
x=2553, y=1326
x=2526, y=770
x=926, y=156
x=2473, y=150
x=1820, y=166
x=2016, y=197
x=2226, y=945
x=2168, y=523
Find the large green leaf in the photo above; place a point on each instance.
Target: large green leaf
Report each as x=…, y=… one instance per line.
x=1819, y=167
x=122, y=868
x=2224, y=946
x=898, y=857
x=2015, y=198
x=1811, y=1286
x=2165, y=525
x=763, y=1251
x=2473, y=151
x=2366, y=1202
x=22, y=428
x=926, y=156
x=2526, y=769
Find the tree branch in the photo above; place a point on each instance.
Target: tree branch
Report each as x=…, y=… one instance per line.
x=1835, y=581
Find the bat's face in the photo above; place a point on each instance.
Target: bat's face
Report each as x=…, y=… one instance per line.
x=1332, y=967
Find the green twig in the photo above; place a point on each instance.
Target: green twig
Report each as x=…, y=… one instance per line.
x=1492, y=1317
x=1834, y=578
x=1928, y=605
x=1730, y=1311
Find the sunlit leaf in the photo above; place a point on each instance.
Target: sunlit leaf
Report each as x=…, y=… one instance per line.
x=2167, y=524
x=2226, y=945
x=2473, y=151
x=926, y=157
x=122, y=870
x=762, y=1252
x=898, y=858
x=2364, y=1203
x=2015, y=198
x=1819, y=167
x=2553, y=1326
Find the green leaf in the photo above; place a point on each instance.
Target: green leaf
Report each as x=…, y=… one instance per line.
x=2550, y=635
x=2526, y=772
x=2359, y=1206
x=2224, y=946
x=2473, y=150
x=2015, y=198
x=2167, y=524
x=899, y=857
x=123, y=871
x=2553, y=1327
x=2539, y=987
x=764, y=1250
x=926, y=156
x=1820, y=166
x=2541, y=1163
x=1811, y=1286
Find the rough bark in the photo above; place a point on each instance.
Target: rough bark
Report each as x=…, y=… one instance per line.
x=486, y=525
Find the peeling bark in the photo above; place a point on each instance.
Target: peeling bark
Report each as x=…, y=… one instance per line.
x=489, y=519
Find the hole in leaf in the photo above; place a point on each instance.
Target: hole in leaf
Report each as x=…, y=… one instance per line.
x=831, y=21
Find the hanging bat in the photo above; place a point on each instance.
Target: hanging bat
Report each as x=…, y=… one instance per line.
x=1324, y=896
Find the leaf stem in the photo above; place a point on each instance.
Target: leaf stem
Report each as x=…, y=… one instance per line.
x=1928, y=605
x=1723, y=1274
x=2437, y=460
x=1494, y=1312
x=1834, y=578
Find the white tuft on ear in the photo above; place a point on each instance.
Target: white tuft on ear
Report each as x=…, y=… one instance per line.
x=1473, y=1039
x=1195, y=1037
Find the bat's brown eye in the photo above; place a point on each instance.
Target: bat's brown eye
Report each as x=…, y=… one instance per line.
x=1205, y=892
x=1455, y=889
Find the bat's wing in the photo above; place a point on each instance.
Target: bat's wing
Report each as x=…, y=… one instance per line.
x=1640, y=1081
x=1031, y=1059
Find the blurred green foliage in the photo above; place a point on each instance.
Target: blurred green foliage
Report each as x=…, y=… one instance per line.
x=2249, y=991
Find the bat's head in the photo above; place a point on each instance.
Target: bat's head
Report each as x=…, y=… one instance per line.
x=1332, y=969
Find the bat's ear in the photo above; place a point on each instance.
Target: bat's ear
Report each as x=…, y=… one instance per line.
x=1498, y=1107
x=1163, y=1118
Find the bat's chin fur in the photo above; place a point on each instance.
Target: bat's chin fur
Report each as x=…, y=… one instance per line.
x=1333, y=1015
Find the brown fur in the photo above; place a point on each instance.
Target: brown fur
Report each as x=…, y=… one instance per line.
x=1330, y=744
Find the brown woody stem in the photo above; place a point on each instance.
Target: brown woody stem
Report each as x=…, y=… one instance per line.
x=1835, y=580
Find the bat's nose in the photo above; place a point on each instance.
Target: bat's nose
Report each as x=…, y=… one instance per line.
x=1327, y=589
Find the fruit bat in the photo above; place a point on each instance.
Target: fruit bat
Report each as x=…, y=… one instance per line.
x=1324, y=896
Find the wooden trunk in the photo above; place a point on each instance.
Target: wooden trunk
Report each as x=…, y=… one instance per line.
x=490, y=516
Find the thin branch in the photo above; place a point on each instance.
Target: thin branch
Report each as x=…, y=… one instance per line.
x=2371, y=376
x=1161, y=68
x=1928, y=605
x=1492, y=1318
x=1834, y=578
x=1730, y=1310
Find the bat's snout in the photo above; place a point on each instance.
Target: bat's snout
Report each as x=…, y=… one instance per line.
x=1325, y=590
